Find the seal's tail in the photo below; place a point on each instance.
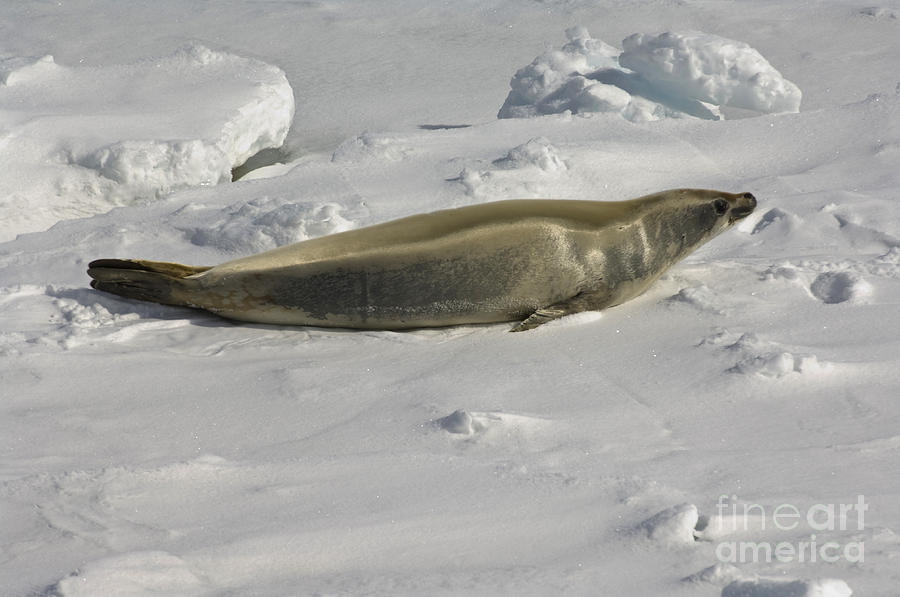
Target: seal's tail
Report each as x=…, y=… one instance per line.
x=154, y=281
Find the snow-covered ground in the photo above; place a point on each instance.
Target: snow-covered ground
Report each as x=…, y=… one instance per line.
x=81, y=140
x=735, y=431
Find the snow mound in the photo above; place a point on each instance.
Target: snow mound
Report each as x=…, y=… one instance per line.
x=79, y=141
x=671, y=75
x=777, y=364
x=717, y=574
x=496, y=429
x=537, y=152
x=18, y=70
x=672, y=526
x=782, y=272
x=459, y=422
x=519, y=173
x=756, y=356
x=711, y=69
x=763, y=587
x=135, y=574
x=265, y=223
x=536, y=88
x=779, y=221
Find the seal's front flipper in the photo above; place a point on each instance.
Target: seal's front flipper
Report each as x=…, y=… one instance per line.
x=542, y=316
x=584, y=301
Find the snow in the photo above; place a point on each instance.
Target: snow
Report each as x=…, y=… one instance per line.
x=671, y=75
x=673, y=526
x=710, y=68
x=825, y=587
x=654, y=449
x=554, y=81
x=80, y=141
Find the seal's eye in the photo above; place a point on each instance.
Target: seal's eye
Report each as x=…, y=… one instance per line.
x=721, y=206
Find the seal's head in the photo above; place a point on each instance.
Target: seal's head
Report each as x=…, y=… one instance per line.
x=737, y=206
x=691, y=217
x=712, y=212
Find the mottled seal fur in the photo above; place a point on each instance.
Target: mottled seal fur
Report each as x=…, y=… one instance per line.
x=526, y=260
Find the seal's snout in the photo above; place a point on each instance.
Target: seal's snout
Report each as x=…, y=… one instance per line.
x=744, y=206
x=751, y=200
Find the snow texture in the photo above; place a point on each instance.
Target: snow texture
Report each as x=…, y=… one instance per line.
x=671, y=75
x=672, y=526
x=152, y=450
x=710, y=68
x=82, y=140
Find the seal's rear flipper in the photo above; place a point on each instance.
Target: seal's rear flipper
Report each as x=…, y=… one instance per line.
x=175, y=270
x=154, y=281
x=584, y=301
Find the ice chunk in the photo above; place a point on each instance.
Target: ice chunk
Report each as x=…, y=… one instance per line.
x=540, y=87
x=672, y=75
x=79, y=141
x=710, y=68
